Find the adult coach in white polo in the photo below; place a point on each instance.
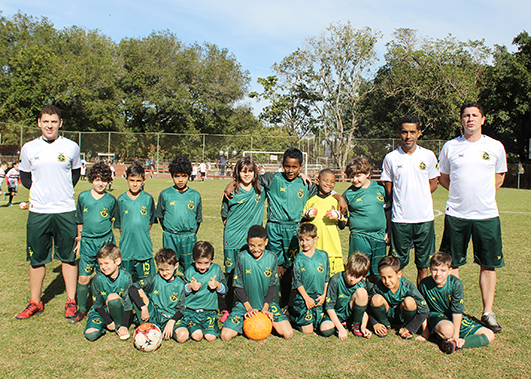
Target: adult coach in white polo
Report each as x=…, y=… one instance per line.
x=473, y=167
x=50, y=167
x=410, y=176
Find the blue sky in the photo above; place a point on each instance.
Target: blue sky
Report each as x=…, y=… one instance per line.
x=260, y=33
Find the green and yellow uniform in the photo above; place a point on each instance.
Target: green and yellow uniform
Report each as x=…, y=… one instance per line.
x=243, y=210
x=180, y=214
x=166, y=298
x=367, y=222
x=445, y=301
x=285, y=202
x=102, y=286
x=201, y=305
x=394, y=300
x=134, y=218
x=255, y=276
x=327, y=231
x=97, y=218
x=312, y=273
x=339, y=295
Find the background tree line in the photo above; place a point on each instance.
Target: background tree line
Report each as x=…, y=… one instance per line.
x=331, y=86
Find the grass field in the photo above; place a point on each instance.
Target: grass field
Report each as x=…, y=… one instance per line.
x=47, y=346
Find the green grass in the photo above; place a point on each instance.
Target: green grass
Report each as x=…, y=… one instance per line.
x=47, y=346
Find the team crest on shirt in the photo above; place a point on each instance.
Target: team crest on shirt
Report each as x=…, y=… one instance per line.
x=61, y=157
x=103, y=293
x=172, y=202
x=104, y=213
x=143, y=211
x=282, y=189
x=88, y=269
x=267, y=272
x=174, y=297
x=126, y=212
x=246, y=271
x=422, y=166
x=380, y=197
x=301, y=193
x=320, y=268
x=85, y=210
x=486, y=156
x=191, y=205
x=257, y=198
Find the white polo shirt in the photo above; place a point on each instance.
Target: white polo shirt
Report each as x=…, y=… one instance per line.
x=51, y=165
x=410, y=175
x=472, y=167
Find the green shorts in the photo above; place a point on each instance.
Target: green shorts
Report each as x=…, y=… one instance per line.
x=139, y=269
x=183, y=245
x=88, y=249
x=204, y=320
x=45, y=228
x=303, y=316
x=374, y=248
x=422, y=235
x=283, y=241
x=468, y=327
x=235, y=320
x=94, y=321
x=486, y=240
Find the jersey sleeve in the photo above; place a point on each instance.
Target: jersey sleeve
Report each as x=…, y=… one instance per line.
x=117, y=216
x=444, y=164
x=224, y=207
x=327, y=265
x=266, y=179
x=128, y=305
x=457, y=304
x=238, y=272
x=115, y=210
x=501, y=163
x=331, y=294
x=433, y=166
x=221, y=276
x=274, y=272
x=161, y=208
x=25, y=164
x=199, y=210
x=422, y=306
x=79, y=209
x=97, y=297
x=152, y=218
x=387, y=172
x=146, y=284
x=76, y=158
x=297, y=277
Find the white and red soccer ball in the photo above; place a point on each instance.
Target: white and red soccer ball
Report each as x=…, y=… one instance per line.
x=147, y=337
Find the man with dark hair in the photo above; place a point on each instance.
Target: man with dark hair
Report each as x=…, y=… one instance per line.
x=50, y=166
x=410, y=176
x=473, y=167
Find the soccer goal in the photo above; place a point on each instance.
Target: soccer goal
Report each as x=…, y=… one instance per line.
x=106, y=157
x=273, y=159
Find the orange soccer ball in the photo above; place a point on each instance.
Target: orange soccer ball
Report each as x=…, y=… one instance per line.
x=258, y=327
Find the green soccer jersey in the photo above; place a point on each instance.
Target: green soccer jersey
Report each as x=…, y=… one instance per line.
x=311, y=273
x=134, y=218
x=339, y=293
x=168, y=297
x=95, y=215
x=366, y=209
x=285, y=199
x=447, y=300
x=180, y=212
x=103, y=285
x=243, y=210
x=256, y=276
x=405, y=289
x=204, y=298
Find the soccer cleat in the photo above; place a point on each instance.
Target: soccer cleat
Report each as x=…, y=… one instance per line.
x=489, y=320
x=32, y=309
x=356, y=329
x=9, y=204
x=70, y=308
x=124, y=337
x=77, y=317
x=448, y=346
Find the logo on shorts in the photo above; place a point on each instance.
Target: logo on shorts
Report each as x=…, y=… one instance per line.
x=143, y=211
x=30, y=252
x=422, y=166
x=121, y=292
x=191, y=205
x=301, y=193
x=308, y=316
x=228, y=262
x=486, y=156
x=320, y=268
x=104, y=213
x=97, y=321
x=235, y=277
x=88, y=269
x=236, y=320
x=267, y=272
x=61, y=157
x=174, y=297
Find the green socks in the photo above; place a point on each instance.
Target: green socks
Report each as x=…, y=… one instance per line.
x=116, y=311
x=82, y=296
x=357, y=313
x=476, y=340
x=408, y=315
x=381, y=315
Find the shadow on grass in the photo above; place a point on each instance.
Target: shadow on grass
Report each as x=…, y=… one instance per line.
x=56, y=287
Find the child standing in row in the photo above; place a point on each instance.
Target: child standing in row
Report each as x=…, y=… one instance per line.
x=95, y=213
x=246, y=207
x=179, y=211
x=134, y=218
x=367, y=221
x=321, y=210
x=311, y=274
x=110, y=290
x=160, y=297
x=12, y=178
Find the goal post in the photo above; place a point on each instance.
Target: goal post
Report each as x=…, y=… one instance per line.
x=273, y=154
x=105, y=156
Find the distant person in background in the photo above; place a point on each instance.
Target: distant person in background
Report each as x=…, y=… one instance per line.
x=202, y=170
x=12, y=178
x=51, y=166
x=3, y=168
x=113, y=174
x=222, y=166
x=83, y=169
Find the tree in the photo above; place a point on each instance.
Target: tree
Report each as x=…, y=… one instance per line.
x=429, y=78
x=506, y=95
x=327, y=75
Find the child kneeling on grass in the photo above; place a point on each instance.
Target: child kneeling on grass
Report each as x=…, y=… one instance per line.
x=444, y=294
